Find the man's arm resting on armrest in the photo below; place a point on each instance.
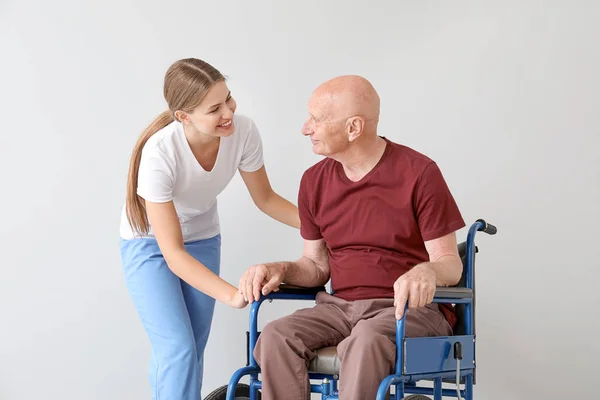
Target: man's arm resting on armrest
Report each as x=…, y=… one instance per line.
x=444, y=260
x=417, y=286
x=311, y=270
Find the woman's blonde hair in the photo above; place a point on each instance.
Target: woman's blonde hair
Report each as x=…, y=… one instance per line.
x=186, y=84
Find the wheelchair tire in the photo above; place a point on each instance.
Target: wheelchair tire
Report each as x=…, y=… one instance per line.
x=416, y=397
x=242, y=392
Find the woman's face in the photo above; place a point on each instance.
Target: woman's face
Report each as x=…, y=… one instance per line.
x=214, y=116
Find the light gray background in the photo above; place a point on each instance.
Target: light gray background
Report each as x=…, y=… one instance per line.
x=504, y=95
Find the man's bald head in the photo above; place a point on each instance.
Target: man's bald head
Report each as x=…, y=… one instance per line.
x=346, y=96
x=344, y=113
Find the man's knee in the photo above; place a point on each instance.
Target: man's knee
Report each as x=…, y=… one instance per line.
x=364, y=340
x=273, y=336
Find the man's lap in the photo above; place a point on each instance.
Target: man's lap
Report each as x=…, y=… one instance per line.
x=333, y=319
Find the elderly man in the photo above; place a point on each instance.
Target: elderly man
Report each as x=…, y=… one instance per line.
x=378, y=219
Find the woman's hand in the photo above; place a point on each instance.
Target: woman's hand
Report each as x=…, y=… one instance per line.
x=237, y=301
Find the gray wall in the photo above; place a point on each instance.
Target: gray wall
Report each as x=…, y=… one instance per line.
x=504, y=95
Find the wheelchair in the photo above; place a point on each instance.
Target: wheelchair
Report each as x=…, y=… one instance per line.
x=445, y=359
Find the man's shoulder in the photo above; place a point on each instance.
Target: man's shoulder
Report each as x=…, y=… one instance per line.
x=318, y=170
x=408, y=158
x=408, y=153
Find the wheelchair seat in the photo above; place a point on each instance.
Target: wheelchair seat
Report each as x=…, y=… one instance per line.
x=325, y=362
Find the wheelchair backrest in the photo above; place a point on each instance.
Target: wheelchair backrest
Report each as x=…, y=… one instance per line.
x=459, y=329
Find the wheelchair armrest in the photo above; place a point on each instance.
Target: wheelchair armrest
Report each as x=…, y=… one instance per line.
x=291, y=289
x=291, y=292
x=452, y=293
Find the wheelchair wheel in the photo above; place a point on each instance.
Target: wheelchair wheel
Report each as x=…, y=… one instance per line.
x=242, y=392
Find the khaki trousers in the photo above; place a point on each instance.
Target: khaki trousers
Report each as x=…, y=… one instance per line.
x=364, y=332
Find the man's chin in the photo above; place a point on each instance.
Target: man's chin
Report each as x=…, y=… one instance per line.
x=317, y=149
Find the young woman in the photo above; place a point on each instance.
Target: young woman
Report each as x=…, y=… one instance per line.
x=170, y=237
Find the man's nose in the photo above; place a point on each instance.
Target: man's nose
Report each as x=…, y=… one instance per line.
x=306, y=128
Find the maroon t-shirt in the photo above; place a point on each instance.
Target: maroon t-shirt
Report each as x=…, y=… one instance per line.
x=375, y=228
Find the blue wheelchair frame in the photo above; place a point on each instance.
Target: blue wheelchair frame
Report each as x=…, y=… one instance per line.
x=422, y=358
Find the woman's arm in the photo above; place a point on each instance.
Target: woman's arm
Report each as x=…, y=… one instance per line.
x=164, y=222
x=267, y=200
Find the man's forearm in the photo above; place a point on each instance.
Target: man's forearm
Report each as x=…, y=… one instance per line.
x=305, y=272
x=448, y=270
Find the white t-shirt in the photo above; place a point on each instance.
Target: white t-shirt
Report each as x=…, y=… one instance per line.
x=169, y=171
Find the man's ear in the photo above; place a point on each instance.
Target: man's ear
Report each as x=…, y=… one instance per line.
x=182, y=116
x=354, y=127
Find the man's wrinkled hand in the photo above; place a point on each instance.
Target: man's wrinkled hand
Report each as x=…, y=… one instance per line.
x=261, y=279
x=417, y=287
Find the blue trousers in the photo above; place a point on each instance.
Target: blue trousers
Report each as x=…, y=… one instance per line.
x=176, y=317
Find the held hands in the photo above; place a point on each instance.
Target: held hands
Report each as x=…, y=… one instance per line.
x=261, y=279
x=417, y=286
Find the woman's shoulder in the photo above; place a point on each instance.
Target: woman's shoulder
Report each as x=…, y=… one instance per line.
x=244, y=124
x=246, y=132
x=163, y=141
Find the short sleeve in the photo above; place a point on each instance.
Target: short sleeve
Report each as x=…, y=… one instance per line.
x=436, y=209
x=308, y=227
x=155, y=178
x=252, y=155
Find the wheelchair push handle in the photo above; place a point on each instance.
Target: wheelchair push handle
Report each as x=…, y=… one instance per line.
x=487, y=227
